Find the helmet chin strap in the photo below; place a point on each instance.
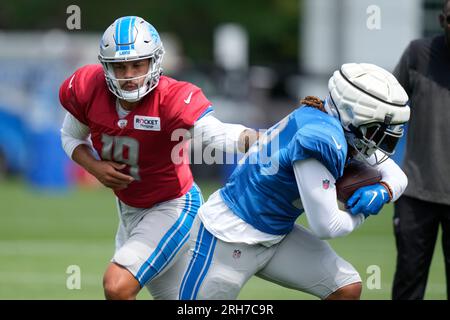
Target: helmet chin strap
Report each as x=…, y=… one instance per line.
x=132, y=96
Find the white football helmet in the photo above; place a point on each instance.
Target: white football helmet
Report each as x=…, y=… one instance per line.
x=371, y=106
x=128, y=39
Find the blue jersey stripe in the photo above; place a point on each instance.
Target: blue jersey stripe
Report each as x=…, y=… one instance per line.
x=205, y=268
x=199, y=265
x=187, y=286
x=173, y=240
x=207, y=111
x=162, y=261
x=179, y=240
x=166, y=239
x=191, y=263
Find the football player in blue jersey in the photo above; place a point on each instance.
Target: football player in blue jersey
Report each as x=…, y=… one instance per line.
x=248, y=227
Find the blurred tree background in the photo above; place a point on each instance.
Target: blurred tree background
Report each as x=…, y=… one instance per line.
x=272, y=24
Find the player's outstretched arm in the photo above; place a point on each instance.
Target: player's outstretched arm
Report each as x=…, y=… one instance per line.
x=226, y=137
x=318, y=196
x=247, y=138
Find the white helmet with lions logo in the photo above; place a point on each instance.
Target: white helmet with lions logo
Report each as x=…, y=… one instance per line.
x=129, y=39
x=371, y=106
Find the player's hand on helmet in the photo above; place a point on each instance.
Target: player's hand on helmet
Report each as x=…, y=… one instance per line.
x=108, y=173
x=368, y=200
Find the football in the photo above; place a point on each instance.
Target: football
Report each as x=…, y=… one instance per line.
x=356, y=175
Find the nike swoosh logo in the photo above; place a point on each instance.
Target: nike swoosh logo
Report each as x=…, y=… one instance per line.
x=373, y=198
x=382, y=193
x=188, y=100
x=70, y=82
x=338, y=146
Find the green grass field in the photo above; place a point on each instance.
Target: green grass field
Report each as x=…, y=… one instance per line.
x=42, y=235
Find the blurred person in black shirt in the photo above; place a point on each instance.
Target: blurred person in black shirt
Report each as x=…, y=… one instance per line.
x=424, y=72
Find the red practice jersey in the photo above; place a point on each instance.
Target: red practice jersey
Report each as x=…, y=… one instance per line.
x=143, y=139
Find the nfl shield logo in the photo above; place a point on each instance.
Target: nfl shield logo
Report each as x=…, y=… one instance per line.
x=326, y=184
x=236, y=254
x=122, y=123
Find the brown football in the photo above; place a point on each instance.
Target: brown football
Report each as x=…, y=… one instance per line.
x=356, y=175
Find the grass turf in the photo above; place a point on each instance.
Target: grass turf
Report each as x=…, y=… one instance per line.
x=41, y=235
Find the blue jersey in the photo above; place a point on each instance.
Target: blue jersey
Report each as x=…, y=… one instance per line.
x=262, y=189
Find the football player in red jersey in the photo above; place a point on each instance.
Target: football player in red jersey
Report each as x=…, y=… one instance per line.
x=130, y=112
